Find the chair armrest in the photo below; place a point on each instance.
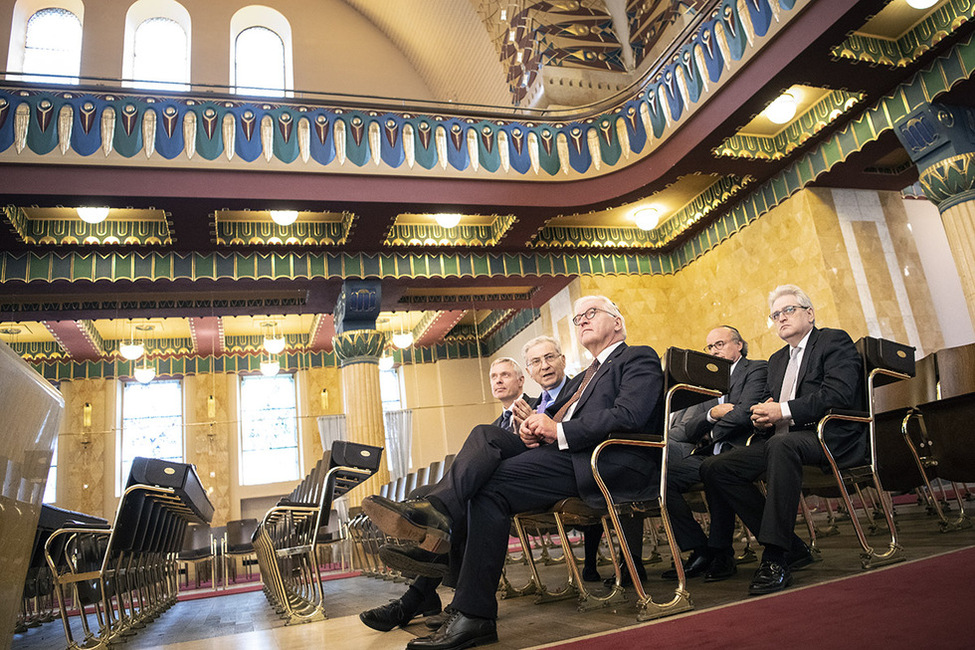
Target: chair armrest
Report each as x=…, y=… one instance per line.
x=845, y=414
x=644, y=437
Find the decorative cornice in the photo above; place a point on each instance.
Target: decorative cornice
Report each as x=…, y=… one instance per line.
x=908, y=48
x=950, y=181
x=302, y=233
x=460, y=235
x=820, y=115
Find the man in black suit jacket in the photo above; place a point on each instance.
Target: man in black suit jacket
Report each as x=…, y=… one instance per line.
x=704, y=430
x=622, y=391
x=818, y=370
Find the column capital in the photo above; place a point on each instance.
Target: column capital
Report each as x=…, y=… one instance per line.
x=359, y=346
x=940, y=139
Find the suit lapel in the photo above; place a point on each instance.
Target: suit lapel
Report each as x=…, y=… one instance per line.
x=602, y=370
x=806, y=357
x=734, y=384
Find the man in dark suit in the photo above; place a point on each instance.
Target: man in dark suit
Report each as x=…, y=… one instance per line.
x=507, y=383
x=818, y=370
x=621, y=391
x=704, y=430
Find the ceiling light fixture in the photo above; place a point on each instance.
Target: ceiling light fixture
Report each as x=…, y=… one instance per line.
x=273, y=341
x=447, y=221
x=646, y=218
x=403, y=340
x=145, y=373
x=782, y=109
x=386, y=362
x=131, y=350
x=270, y=366
x=922, y=4
x=284, y=217
x=92, y=215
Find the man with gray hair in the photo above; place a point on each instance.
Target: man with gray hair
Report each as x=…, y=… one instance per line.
x=622, y=391
x=819, y=369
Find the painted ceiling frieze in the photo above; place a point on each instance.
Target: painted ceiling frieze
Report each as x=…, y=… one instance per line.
x=827, y=110
x=54, y=125
x=300, y=233
x=75, y=231
x=460, y=235
x=909, y=47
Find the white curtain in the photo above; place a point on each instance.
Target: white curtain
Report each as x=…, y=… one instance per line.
x=399, y=441
x=330, y=429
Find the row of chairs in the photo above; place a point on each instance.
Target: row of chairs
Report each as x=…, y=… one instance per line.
x=286, y=538
x=126, y=572
x=366, y=538
x=214, y=551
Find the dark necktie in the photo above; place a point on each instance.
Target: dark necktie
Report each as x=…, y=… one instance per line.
x=506, y=420
x=590, y=371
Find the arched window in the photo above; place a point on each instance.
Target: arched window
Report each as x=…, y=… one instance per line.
x=156, y=46
x=261, y=52
x=259, y=62
x=52, y=47
x=159, y=55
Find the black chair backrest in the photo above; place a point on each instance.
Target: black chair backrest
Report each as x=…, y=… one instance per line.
x=956, y=370
x=697, y=369
x=919, y=389
x=886, y=355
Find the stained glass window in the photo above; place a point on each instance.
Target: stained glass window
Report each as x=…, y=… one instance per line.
x=269, y=429
x=152, y=422
x=259, y=62
x=53, y=47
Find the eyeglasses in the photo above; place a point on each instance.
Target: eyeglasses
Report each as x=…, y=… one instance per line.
x=717, y=345
x=788, y=311
x=548, y=359
x=589, y=314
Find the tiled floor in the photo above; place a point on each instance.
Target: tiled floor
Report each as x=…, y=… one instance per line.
x=244, y=621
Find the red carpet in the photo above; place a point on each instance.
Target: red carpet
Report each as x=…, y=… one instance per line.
x=923, y=604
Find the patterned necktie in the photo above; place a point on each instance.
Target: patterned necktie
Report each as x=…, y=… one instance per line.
x=506, y=420
x=543, y=402
x=590, y=371
x=788, y=386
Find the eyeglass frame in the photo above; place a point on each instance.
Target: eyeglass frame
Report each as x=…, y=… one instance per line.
x=549, y=358
x=589, y=314
x=788, y=310
x=718, y=345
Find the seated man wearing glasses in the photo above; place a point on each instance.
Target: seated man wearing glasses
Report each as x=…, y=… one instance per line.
x=622, y=391
x=818, y=370
x=704, y=430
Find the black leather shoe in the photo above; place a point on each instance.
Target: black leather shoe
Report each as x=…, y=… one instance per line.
x=434, y=622
x=721, y=568
x=415, y=520
x=413, y=561
x=393, y=614
x=696, y=565
x=770, y=578
x=459, y=631
x=591, y=575
x=799, y=557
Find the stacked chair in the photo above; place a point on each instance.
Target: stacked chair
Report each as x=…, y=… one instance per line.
x=126, y=572
x=285, y=540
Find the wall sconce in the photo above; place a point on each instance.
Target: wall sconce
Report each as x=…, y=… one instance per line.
x=86, y=425
x=324, y=398
x=211, y=407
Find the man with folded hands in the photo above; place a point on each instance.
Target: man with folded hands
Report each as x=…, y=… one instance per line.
x=704, y=430
x=818, y=370
x=546, y=365
x=622, y=391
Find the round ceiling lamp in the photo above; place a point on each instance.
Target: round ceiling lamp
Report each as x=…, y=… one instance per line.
x=783, y=109
x=386, y=363
x=646, y=218
x=922, y=4
x=403, y=340
x=131, y=350
x=447, y=221
x=145, y=373
x=92, y=215
x=284, y=217
x=273, y=342
x=270, y=366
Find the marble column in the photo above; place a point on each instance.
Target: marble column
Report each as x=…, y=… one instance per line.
x=941, y=141
x=358, y=346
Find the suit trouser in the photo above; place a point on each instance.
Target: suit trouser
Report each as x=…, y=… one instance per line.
x=683, y=472
x=729, y=482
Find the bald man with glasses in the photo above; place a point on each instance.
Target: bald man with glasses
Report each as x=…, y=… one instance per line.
x=818, y=370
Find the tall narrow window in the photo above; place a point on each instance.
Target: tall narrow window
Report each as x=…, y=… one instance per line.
x=259, y=64
x=160, y=55
x=52, y=49
x=152, y=423
x=51, y=489
x=269, y=429
x=389, y=389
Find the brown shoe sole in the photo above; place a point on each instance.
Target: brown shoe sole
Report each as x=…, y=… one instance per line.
x=396, y=525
